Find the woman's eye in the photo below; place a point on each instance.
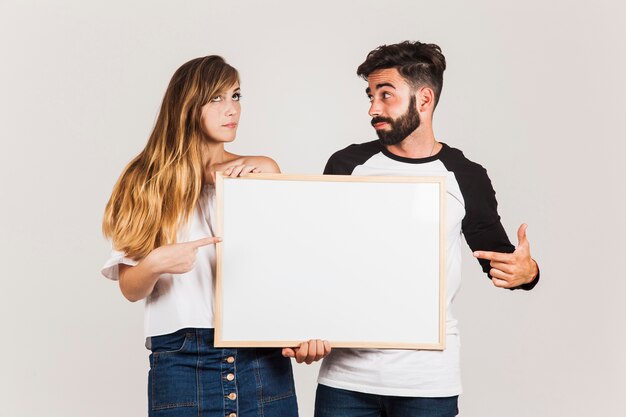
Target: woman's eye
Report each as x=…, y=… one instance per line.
x=237, y=96
x=216, y=98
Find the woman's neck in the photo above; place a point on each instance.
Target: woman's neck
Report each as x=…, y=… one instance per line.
x=215, y=158
x=213, y=154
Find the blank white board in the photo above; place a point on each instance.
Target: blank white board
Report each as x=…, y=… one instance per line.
x=358, y=261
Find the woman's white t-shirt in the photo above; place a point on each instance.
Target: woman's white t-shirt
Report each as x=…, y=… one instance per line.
x=181, y=300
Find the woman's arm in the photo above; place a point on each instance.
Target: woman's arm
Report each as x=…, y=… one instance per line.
x=137, y=282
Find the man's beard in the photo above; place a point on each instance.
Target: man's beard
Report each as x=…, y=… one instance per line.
x=401, y=127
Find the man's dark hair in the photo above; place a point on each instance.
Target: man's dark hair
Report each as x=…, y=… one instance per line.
x=419, y=63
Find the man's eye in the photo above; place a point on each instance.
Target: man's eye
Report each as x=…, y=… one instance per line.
x=370, y=98
x=386, y=95
x=237, y=96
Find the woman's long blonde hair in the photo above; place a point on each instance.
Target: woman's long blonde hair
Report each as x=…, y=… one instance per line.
x=158, y=189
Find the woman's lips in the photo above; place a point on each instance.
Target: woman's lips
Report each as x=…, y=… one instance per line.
x=230, y=125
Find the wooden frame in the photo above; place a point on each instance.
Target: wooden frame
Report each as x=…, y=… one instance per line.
x=284, y=275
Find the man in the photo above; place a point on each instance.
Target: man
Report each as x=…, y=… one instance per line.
x=404, y=85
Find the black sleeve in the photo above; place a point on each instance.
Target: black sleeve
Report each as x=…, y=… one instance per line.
x=481, y=225
x=330, y=168
x=345, y=160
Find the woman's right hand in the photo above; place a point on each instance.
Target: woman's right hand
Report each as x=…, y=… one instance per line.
x=177, y=258
x=137, y=282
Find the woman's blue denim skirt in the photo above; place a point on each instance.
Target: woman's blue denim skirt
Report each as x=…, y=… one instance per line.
x=190, y=377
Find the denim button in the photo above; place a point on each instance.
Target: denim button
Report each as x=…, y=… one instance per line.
x=230, y=377
x=230, y=359
x=232, y=415
x=232, y=396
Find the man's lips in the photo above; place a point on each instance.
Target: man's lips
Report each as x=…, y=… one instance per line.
x=380, y=125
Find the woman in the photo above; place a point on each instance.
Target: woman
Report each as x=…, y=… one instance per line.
x=160, y=218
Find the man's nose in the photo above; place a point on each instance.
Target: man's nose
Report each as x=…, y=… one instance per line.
x=374, y=109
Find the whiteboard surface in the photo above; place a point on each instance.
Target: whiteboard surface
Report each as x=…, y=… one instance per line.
x=353, y=260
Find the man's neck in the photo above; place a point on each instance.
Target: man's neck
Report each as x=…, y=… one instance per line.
x=419, y=144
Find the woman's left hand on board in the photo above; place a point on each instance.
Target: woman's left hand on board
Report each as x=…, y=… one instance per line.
x=240, y=170
x=308, y=352
x=234, y=171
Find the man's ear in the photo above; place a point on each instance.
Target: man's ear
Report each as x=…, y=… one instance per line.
x=425, y=100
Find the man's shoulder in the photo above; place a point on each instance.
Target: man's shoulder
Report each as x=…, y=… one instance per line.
x=357, y=150
x=472, y=177
x=345, y=160
x=455, y=160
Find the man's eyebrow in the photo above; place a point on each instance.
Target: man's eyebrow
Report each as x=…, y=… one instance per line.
x=381, y=85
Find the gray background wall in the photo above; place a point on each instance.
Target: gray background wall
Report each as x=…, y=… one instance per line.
x=534, y=92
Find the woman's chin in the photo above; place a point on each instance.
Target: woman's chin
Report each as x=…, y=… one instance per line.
x=222, y=140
